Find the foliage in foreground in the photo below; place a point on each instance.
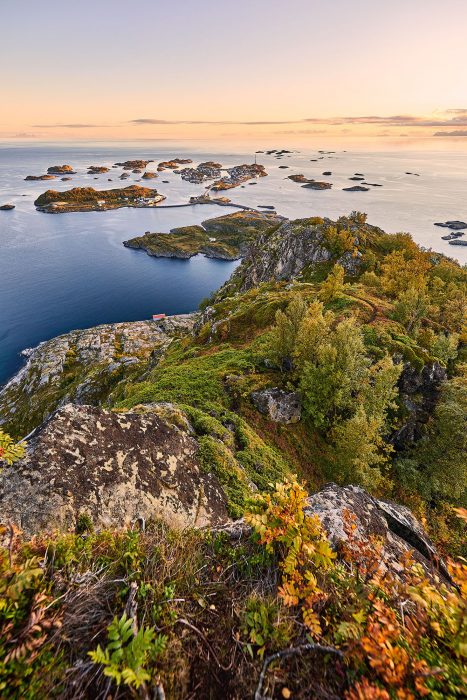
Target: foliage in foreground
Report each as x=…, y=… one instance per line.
x=200, y=615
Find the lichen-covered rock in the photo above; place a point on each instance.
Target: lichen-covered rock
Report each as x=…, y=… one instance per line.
x=394, y=525
x=113, y=467
x=281, y=406
x=83, y=367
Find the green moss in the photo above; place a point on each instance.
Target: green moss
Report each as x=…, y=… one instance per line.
x=194, y=379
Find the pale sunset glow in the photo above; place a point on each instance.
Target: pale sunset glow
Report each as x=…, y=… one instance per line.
x=108, y=69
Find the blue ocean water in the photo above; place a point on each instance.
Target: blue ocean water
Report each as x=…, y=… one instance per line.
x=61, y=272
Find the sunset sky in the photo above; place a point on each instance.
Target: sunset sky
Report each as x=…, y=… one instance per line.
x=248, y=68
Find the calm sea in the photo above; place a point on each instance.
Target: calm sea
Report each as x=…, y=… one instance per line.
x=61, y=272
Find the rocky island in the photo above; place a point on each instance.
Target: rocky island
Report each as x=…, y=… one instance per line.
x=7, y=207
x=209, y=170
x=132, y=164
x=89, y=199
x=238, y=175
x=317, y=185
x=61, y=170
x=310, y=183
x=224, y=237
x=39, y=177
x=97, y=169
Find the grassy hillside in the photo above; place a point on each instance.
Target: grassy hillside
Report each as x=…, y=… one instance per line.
x=369, y=331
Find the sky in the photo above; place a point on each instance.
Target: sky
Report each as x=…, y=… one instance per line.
x=110, y=69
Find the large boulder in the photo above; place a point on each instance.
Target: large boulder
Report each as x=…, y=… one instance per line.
x=113, y=467
x=281, y=406
x=394, y=526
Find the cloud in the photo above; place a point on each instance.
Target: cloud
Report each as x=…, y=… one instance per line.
x=301, y=131
x=458, y=132
x=69, y=126
x=395, y=120
x=220, y=123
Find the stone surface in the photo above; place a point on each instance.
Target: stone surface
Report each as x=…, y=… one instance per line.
x=394, y=525
x=113, y=467
x=284, y=253
x=281, y=406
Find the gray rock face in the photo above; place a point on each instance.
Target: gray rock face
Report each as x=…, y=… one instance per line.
x=419, y=392
x=284, y=254
x=114, y=467
x=83, y=367
x=394, y=525
x=281, y=406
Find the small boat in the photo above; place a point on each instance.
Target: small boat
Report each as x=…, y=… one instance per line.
x=158, y=317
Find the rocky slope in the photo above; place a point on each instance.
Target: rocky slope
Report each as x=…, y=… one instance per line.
x=288, y=252
x=83, y=366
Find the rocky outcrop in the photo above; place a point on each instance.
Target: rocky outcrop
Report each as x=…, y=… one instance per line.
x=356, y=188
x=114, y=468
x=419, y=393
x=388, y=525
x=394, y=526
x=454, y=225
x=61, y=170
x=316, y=185
x=83, y=366
x=132, y=164
x=7, y=207
x=280, y=406
x=97, y=169
x=284, y=253
x=33, y=178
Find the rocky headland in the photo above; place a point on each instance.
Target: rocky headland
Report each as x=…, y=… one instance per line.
x=84, y=367
x=225, y=237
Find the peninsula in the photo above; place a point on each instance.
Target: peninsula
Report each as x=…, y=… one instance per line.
x=224, y=237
